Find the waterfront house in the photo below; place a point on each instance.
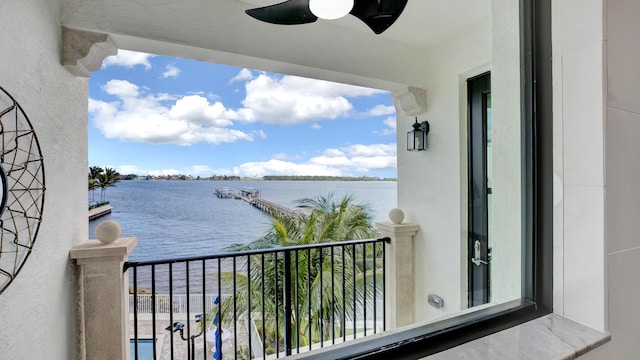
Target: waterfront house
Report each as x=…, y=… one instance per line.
x=581, y=238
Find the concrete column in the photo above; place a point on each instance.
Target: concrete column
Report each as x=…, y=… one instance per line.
x=103, y=298
x=399, y=276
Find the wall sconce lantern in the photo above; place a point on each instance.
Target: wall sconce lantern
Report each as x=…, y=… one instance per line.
x=417, y=138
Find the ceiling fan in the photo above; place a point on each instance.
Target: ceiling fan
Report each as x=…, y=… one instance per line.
x=379, y=15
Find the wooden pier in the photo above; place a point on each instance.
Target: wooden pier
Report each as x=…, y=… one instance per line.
x=99, y=211
x=271, y=207
x=252, y=196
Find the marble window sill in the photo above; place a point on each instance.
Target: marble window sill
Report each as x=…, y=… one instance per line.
x=549, y=337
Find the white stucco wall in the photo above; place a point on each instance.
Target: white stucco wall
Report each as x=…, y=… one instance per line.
x=506, y=260
x=37, y=310
x=436, y=200
x=438, y=177
x=612, y=51
x=579, y=162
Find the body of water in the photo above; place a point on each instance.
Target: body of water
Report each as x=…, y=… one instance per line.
x=185, y=218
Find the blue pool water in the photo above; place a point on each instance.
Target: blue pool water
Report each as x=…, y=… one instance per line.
x=145, y=349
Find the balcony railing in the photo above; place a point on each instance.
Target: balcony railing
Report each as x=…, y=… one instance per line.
x=259, y=303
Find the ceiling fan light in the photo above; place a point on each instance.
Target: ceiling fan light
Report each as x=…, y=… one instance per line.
x=330, y=9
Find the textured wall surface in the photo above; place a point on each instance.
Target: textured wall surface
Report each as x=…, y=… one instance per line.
x=38, y=308
x=622, y=169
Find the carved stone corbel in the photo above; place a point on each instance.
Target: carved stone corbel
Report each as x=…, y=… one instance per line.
x=84, y=51
x=412, y=100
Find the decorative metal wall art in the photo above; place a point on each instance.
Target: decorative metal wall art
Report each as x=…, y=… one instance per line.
x=21, y=188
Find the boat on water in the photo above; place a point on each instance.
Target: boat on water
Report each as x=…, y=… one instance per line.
x=226, y=193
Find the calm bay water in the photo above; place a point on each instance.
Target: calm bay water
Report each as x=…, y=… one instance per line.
x=185, y=218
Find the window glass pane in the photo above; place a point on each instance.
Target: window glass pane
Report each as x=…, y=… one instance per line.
x=465, y=191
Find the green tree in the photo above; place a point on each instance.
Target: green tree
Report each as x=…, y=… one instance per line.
x=94, y=180
x=107, y=179
x=321, y=220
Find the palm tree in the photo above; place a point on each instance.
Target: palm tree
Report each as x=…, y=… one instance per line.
x=94, y=180
x=316, y=299
x=107, y=179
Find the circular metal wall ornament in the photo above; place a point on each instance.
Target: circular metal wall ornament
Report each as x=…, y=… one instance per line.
x=21, y=187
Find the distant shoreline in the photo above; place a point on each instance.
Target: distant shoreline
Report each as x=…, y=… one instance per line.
x=264, y=178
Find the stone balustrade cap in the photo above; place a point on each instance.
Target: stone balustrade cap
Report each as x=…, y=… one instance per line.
x=94, y=249
x=403, y=228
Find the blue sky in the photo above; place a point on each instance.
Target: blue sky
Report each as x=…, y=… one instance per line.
x=156, y=115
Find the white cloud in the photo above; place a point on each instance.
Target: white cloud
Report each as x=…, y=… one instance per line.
x=121, y=89
x=352, y=160
x=346, y=161
x=244, y=74
x=197, y=110
x=194, y=170
x=131, y=169
x=128, y=59
x=316, y=126
x=172, y=71
x=380, y=110
x=165, y=172
x=295, y=100
x=391, y=123
x=260, y=133
x=141, y=117
x=279, y=167
x=206, y=171
x=359, y=158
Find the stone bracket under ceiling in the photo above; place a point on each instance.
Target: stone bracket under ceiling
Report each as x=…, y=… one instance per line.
x=84, y=51
x=412, y=100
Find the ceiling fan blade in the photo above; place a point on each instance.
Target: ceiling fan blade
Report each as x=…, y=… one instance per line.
x=379, y=15
x=291, y=12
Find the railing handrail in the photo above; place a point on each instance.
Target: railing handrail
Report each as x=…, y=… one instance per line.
x=279, y=249
x=296, y=297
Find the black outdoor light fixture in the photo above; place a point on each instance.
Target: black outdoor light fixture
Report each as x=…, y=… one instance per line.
x=178, y=326
x=417, y=138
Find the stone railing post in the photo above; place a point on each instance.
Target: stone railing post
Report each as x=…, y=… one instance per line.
x=399, y=284
x=103, y=293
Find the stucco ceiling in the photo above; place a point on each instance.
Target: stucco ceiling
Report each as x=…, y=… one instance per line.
x=344, y=50
x=423, y=22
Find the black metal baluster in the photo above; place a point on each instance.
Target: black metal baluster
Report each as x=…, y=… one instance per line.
x=264, y=335
x=235, y=311
x=384, y=287
x=309, y=296
x=276, y=296
x=364, y=287
x=297, y=299
x=333, y=301
x=343, y=325
x=287, y=302
x=171, y=307
x=249, y=301
x=186, y=264
x=355, y=294
x=153, y=309
x=135, y=311
x=219, y=324
x=321, y=298
x=204, y=308
x=375, y=288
